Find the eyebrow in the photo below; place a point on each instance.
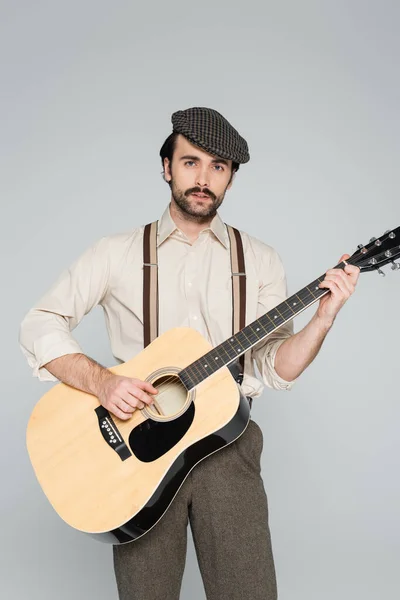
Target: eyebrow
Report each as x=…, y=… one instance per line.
x=215, y=160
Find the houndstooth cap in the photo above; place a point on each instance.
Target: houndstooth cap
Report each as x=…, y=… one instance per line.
x=209, y=130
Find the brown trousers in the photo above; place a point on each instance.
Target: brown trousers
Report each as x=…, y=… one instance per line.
x=224, y=500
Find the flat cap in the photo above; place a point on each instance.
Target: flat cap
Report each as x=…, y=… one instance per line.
x=209, y=130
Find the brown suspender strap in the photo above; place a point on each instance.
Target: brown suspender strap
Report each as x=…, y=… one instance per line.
x=150, y=284
x=238, y=284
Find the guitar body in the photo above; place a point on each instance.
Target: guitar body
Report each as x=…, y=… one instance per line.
x=115, y=479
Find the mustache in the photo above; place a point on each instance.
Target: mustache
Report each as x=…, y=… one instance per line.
x=197, y=190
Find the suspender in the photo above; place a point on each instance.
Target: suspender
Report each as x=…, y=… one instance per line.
x=150, y=284
x=238, y=284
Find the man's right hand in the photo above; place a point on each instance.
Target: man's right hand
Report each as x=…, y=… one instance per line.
x=119, y=395
x=123, y=395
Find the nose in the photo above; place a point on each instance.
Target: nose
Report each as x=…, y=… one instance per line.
x=202, y=176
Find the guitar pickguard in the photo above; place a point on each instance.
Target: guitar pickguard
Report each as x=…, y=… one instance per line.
x=151, y=439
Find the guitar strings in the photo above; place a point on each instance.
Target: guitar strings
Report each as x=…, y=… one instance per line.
x=176, y=377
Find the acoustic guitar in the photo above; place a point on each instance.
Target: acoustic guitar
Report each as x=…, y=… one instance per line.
x=115, y=479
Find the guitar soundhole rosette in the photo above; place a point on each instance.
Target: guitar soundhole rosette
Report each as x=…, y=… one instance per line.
x=172, y=400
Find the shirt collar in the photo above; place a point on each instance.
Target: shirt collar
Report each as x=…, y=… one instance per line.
x=166, y=226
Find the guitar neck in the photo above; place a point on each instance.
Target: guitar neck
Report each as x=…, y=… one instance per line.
x=252, y=334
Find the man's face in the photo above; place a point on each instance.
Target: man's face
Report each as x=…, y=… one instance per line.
x=198, y=179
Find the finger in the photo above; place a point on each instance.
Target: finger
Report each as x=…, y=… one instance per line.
x=342, y=281
x=125, y=406
x=135, y=395
x=132, y=399
x=352, y=272
x=137, y=403
x=351, y=269
x=337, y=288
x=138, y=393
x=342, y=276
x=120, y=413
x=146, y=386
x=349, y=279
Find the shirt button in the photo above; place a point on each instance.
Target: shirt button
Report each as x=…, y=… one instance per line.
x=190, y=284
x=194, y=318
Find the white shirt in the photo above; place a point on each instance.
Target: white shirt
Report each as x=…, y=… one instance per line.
x=195, y=290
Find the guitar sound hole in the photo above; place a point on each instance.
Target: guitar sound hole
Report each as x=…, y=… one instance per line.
x=171, y=400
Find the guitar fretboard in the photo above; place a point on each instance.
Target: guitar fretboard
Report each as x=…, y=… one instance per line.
x=252, y=334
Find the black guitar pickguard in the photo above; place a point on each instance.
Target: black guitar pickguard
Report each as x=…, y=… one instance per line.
x=151, y=439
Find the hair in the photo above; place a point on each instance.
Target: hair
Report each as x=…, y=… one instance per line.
x=167, y=151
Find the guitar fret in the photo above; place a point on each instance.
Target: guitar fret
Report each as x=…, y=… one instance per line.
x=207, y=364
x=305, y=296
x=292, y=310
x=275, y=318
x=217, y=359
x=261, y=326
x=297, y=296
x=284, y=310
x=188, y=374
x=269, y=325
x=242, y=341
x=315, y=288
x=230, y=347
x=186, y=379
x=269, y=318
x=253, y=336
x=243, y=332
x=311, y=293
x=196, y=369
x=222, y=346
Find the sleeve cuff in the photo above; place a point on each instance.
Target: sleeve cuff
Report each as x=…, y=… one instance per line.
x=278, y=381
x=49, y=347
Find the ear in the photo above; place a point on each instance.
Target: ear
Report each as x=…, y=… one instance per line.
x=231, y=181
x=167, y=170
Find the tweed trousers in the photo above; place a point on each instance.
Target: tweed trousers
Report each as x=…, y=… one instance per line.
x=224, y=500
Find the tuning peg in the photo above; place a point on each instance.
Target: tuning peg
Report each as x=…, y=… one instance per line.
x=395, y=266
x=381, y=273
x=372, y=239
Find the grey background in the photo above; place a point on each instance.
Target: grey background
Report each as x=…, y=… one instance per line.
x=87, y=89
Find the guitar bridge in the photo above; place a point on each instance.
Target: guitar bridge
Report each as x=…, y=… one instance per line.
x=110, y=433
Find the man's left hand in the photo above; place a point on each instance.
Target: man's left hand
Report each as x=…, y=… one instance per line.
x=341, y=283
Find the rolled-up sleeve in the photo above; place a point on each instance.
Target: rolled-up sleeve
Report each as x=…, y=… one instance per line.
x=45, y=332
x=272, y=291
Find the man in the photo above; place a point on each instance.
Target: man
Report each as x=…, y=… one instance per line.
x=223, y=497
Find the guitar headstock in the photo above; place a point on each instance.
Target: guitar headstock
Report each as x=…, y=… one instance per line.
x=379, y=252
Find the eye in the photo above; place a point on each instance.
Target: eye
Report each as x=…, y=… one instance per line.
x=189, y=161
x=219, y=167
